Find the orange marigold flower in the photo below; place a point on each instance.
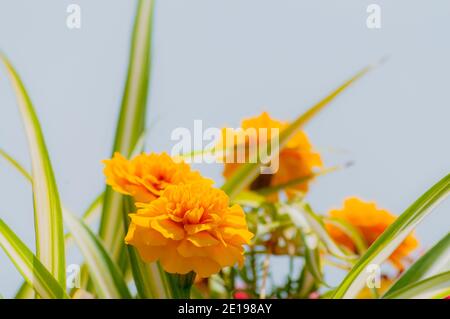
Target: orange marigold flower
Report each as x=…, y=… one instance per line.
x=190, y=228
x=146, y=176
x=371, y=223
x=297, y=158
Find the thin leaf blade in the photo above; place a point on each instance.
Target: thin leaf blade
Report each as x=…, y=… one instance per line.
x=436, y=260
x=107, y=277
x=131, y=122
x=47, y=207
x=33, y=271
x=434, y=287
x=246, y=173
x=392, y=237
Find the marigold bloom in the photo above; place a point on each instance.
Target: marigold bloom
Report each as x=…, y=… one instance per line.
x=297, y=158
x=190, y=228
x=371, y=223
x=147, y=175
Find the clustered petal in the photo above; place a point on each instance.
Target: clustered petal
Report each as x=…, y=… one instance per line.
x=181, y=220
x=371, y=223
x=190, y=227
x=147, y=175
x=296, y=160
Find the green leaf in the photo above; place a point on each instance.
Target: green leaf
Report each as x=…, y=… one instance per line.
x=47, y=207
x=89, y=216
x=312, y=256
x=434, y=287
x=250, y=199
x=306, y=283
x=104, y=273
x=15, y=164
x=25, y=292
x=131, y=122
x=436, y=260
x=352, y=232
x=315, y=223
x=294, y=182
x=150, y=279
x=32, y=270
x=392, y=237
x=246, y=173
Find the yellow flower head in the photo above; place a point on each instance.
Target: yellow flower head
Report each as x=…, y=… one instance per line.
x=297, y=159
x=190, y=228
x=371, y=223
x=146, y=176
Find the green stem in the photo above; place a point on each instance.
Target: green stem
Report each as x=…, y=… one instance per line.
x=181, y=285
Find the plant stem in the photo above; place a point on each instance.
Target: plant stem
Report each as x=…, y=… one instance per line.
x=181, y=284
x=266, y=264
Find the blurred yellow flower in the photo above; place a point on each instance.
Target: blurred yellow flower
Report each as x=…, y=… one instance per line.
x=371, y=223
x=146, y=176
x=190, y=228
x=367, y=293
x=296, y=160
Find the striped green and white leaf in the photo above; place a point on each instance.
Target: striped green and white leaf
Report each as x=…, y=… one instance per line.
x=435, y=261
x=353, y=233
x=32, y=270
x=301, y=213
x=104, y=273
x=392, y=237
x=246, y=173
x=294, y=182
x=250, y=199
x=435, y=287
x=25, y=292
x=89, y=216
x=47, y=207
x=312, y=256
x=131, y=123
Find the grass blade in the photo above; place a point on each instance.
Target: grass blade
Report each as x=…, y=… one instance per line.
x=317, y=226
x=25, y=292
x=436, y=260
x=294, y=182
x=249, y=171
x=352, y=232
x=33, y=271
x=89, y=216
x=250, y=199
x=47, y=207
x=392, y=237
x=104, y=272
x=434, y=287
x=15, y=164
x=131, y=123
x=149, y=278
x=312, y=257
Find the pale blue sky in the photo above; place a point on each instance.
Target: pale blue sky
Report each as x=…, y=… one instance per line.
x=223, y=60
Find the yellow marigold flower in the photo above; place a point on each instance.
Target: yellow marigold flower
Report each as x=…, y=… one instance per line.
x=190, y=228
x=371, y=223
x=296, y=160
x=146, y=176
